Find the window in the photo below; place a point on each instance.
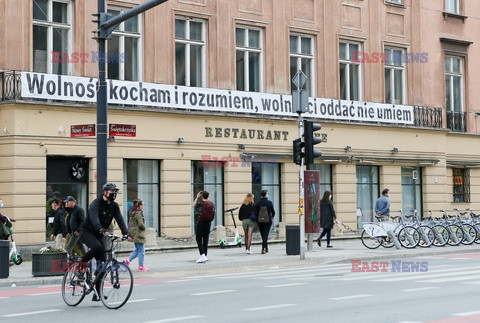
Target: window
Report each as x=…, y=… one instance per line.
x=208, y=178
x=394, y=76
x=141, y=180
x=301, y=58
x=461, y=185
x=454, y=96
x=350, y=72
x=367, y=193
x=266, y=176
x=51, y=33
x=412, y=191
x=325, y=177
x=452, y=6
x=395, y=1
x=189, y=52
x=124, y=49
x=248, y=59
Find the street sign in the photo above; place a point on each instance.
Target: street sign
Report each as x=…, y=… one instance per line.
x=126, y=130
x=300, y=95
x=299, y=80
x=82, y=130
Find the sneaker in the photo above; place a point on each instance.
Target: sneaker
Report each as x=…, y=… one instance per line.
x=319, y=242
x=266, y=250
x=249, y=252
x=263, y=251
x=143, y=268
x=95, y=298
x=205, y=257
x=329, y=246
x=127, y=262
x=202, y=259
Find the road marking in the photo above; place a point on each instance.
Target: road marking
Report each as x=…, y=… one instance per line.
x=450, y=279
x=181, y=280
x=285, y=285
x=268, y=307
x=419, y=289
x=467, y=313
x=31, y=313
x=175, y=319
x=349, y=297
x=140, y=300
x=471, y=283
x=40, y=294
x=214, y=292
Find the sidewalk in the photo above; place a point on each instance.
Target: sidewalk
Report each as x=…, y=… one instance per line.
x=177, y=259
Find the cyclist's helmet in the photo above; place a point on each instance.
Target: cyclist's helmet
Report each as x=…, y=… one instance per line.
x=110, y=186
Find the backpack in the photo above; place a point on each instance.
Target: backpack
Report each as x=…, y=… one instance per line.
x=208, y=211
x=263, y=216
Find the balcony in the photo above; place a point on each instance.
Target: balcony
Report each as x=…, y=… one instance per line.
x=423, y=117
x=456, y=121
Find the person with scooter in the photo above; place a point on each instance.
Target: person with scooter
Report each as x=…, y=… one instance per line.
x=246, y=214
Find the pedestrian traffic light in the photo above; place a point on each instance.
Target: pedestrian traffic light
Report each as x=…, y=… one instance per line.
x=298, y=153
x=309, y=129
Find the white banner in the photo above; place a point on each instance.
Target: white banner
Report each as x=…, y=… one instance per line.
x=82, y=89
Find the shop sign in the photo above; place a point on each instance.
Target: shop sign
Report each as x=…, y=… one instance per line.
x=125, y=130
x=82, y=130
x=168, y=96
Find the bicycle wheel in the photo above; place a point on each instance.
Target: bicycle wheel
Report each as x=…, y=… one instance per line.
x=369, y=242
x=469, y=230
x=427, y=236
x=409, y=237
x=73, y=289
x=441, y=235
x=116, y=286
x=458, y=232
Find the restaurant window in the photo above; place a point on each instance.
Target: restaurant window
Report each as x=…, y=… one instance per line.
x=367, y=193
x=412, y=191
x=52, y=34
x=266, y=176
x=141, y=180
x=208, y=177
x=461, y=185
x=325, y=177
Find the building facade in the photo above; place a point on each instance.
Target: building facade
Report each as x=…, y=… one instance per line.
x=200, y=99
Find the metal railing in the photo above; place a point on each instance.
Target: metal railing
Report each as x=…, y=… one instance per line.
x=428, y=117
x=457, y=121
x=10, y=85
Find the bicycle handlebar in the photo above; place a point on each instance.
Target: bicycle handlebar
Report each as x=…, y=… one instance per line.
x=230, y=210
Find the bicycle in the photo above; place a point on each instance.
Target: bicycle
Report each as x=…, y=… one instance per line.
x=376, y=234
x=116, y=283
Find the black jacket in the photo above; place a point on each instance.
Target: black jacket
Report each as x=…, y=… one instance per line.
x=59, y=225
x=265, y=202
x=245, y=210
x=76, y=216
x=327, y=214
x=101, y=215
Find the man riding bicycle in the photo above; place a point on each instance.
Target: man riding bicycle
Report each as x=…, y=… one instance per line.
x=101, y=213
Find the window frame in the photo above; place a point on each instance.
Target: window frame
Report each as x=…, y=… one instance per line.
x=50, y=25
x=188, y=43
x=299, y=56
x=451, y=75
x=465, y=194
x=393, y=68
x=121, y=33
x=246, y=50
x=270, y=187
x=452, y=3
x=349, y=62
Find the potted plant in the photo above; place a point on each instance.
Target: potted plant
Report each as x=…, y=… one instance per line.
x=49, y=262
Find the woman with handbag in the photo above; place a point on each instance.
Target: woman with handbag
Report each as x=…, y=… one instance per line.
x=246, y=214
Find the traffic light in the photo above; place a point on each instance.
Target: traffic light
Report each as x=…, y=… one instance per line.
x=298, y=153
x=310, y=141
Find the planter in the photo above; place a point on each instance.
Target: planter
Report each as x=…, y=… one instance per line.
x=49, y=264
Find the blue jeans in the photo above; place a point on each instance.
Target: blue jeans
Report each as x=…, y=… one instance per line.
x=138, y=252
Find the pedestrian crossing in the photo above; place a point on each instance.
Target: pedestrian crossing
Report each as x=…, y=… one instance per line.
x=436, y=274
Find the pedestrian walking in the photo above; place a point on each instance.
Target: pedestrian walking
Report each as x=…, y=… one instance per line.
x=75, y=215
x=203, y=225
x=264, y=205
x=382, y=207
x=59, y=229
x=246, y=214
x=138, y=233
x=327, y=218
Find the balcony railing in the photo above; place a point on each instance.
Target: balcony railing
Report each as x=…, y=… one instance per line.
x=10, y=85
x=427, y=117
x=456, y=121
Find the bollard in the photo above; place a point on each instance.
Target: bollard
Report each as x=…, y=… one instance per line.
x=394, y=239
x=439, y=237
x=425, y=237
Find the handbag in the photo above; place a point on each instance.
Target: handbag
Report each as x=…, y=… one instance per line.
x=253, y=216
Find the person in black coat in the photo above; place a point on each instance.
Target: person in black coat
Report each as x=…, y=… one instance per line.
x=327, y=217
x=74, y=220
x=248, y=221
x=265, y=227
x=59, y=227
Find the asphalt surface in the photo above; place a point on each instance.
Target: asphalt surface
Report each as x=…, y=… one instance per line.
x=177, y=259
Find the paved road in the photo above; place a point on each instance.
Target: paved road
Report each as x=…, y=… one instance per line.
x=438, y=288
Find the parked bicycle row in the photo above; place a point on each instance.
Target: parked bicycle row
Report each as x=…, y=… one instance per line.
x=463, y=227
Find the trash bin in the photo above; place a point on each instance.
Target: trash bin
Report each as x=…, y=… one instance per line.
x=292, y=234
x=4, y=263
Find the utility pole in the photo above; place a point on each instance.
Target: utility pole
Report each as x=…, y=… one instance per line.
x=106, y=24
